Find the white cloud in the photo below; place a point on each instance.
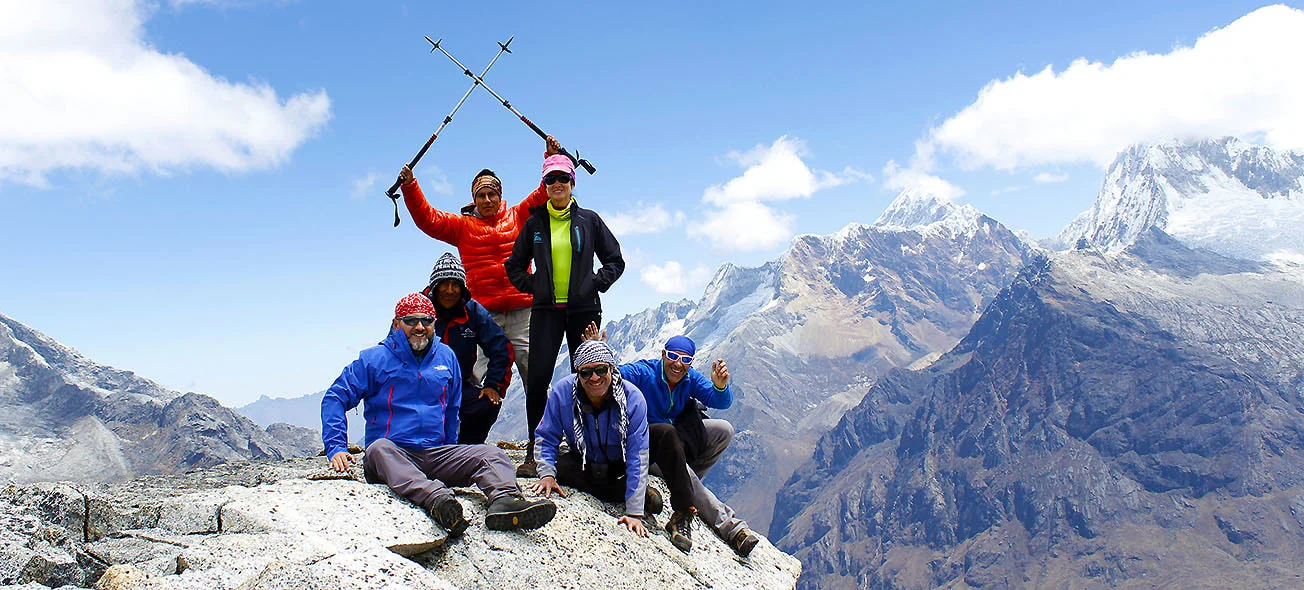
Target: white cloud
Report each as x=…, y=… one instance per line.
x=83, y=89
x=1047, y=178
x=1245, y=79
x=917, y=178
x=744, y=226
x=669, y=278
x=642, y=220
x=1006, y=190
x=737, y=217
x=365, y=185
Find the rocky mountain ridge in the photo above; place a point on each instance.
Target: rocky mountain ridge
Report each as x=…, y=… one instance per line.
x=1127, y=419
x=64, y=417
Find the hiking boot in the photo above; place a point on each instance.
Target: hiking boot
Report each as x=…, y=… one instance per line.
x=529, y=468
x=744, y=541
x=448, y=513
x=514, y=512
x=680, y=528
x=653, y=504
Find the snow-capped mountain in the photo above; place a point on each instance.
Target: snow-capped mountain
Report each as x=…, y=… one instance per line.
x=805, y=334
x=1222, y=195
x=64, y=417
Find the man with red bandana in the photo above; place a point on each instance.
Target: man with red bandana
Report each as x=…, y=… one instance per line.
x=410, y=386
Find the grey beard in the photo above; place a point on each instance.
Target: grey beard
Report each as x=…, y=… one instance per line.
x=419, y=343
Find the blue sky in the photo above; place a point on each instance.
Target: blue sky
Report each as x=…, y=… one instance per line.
x=192, y=190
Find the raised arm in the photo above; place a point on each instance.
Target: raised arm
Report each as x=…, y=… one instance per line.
x=440, y=225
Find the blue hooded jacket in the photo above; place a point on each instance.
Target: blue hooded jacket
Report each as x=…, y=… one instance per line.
x=664, y=405
x=412, y=402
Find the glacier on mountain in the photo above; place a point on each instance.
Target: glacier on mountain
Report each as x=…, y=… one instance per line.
x=1222, y=195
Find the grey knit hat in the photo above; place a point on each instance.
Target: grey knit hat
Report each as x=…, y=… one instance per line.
x=448, y=267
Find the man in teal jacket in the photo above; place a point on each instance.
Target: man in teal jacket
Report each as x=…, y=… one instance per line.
x=410, y=386
x=682, y=444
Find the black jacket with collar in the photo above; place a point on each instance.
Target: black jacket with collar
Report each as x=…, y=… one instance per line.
x=589, y=237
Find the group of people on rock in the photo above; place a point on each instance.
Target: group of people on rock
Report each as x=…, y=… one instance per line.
x=433, y=388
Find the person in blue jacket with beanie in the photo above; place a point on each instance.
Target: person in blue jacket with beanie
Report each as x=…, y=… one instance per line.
x=467, y=327
x=410, y=386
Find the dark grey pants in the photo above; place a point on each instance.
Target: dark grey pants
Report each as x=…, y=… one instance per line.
x=422, y=476
x=719, y=515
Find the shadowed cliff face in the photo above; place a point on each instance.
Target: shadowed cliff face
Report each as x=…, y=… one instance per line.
x=1109, y=419
x=63, y=417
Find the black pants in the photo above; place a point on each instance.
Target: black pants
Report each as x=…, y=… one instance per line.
x=478, y=415
x=666, y=450
x=570, y=472
x=547, y=327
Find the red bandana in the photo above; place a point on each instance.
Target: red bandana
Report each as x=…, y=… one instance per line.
x=414, y=304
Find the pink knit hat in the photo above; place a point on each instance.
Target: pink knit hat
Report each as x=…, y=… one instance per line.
x=558, y=163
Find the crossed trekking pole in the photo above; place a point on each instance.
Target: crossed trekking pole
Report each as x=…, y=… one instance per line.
x=392, y=193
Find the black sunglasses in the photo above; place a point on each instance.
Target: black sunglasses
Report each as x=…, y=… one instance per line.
x=412, y=320
x=588, y=372
x=554, y=178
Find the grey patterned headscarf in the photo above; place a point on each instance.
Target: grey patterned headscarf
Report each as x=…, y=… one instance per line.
x=597, y=351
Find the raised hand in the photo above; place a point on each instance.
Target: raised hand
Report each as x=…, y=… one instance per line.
x=719, y=374
x=405, y=175
x=554, y=147
x=591, y=333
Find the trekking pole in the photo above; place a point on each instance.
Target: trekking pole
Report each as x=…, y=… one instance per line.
x=479, y=82
x=392, y=193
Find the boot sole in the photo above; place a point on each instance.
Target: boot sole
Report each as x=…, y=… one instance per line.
x=528, y=518
x=458, y=528
x=744, y=549
x=681, y=543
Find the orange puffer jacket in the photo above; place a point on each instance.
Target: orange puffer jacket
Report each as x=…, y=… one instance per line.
x=483, y=244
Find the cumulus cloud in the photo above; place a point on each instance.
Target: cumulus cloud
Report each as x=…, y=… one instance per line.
x=737, y=216
x=918, y=177
x=642, y=220
x=1245, y=79
x=83, y=89
x=669, y=278
x=1048, y=178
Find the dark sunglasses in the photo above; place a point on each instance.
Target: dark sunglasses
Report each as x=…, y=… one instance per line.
x=588, y=372
x=554, y=178
x=412, y=320
x=680, y=357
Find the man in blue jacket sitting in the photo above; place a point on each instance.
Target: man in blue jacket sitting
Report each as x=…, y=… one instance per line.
x=683, y=445
x=410, y=386
x=466, y=326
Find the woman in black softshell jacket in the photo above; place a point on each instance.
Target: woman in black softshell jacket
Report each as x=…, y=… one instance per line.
x=561, y=238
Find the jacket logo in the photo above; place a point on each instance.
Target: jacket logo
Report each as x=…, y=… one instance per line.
x=468, y=333
x=538, y=237
x=441, y=367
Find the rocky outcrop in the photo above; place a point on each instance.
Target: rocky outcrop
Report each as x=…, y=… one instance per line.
x=295, y=524
x=1129, y=420
x=63, y=417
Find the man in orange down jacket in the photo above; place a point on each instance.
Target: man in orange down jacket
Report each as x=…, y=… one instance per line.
x=483, y=233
